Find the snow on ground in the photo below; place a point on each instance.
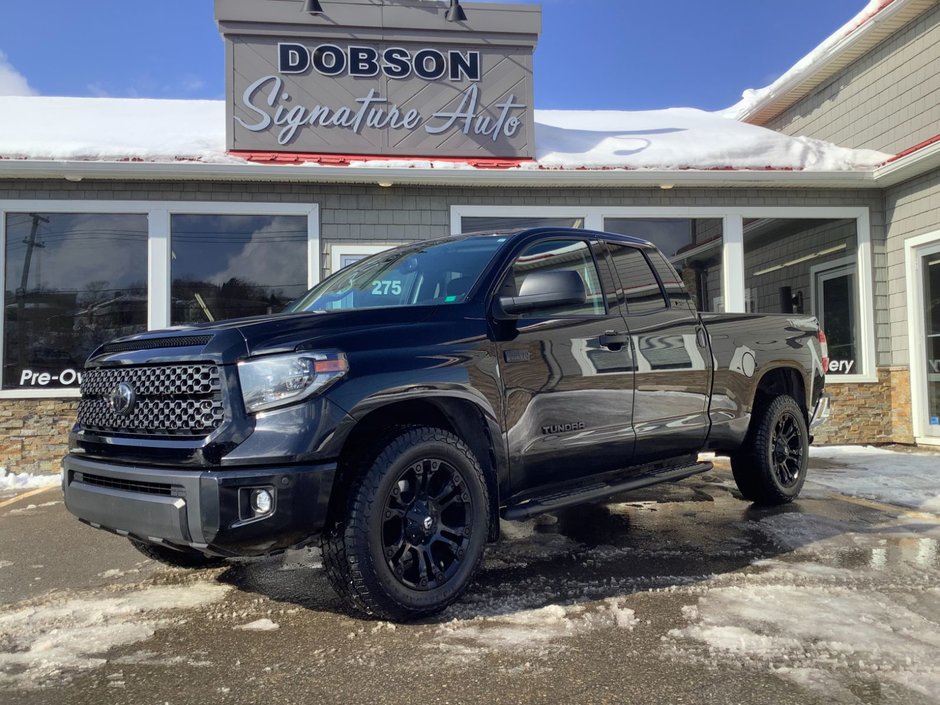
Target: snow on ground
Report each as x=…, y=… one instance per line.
x=823, y=627
x=259, y=625
x=111, y=129
x=39, y=641
x=805, y=66
x=906, y=479
x=819, y=637
x=539, y=632
x=25, y=481
x=31, y=508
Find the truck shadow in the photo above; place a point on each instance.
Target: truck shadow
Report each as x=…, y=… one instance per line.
x=668, y=536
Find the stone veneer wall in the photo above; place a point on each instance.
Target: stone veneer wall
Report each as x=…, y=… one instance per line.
x=870, y=413
x=34, y=433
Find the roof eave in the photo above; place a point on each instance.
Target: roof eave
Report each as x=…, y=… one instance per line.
x=850, y=48
x=909, y=166
x=610, y=178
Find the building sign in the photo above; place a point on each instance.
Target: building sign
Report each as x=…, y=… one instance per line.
x=402, y=82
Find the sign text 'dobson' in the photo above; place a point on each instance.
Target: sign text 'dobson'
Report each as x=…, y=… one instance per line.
x=365, y=61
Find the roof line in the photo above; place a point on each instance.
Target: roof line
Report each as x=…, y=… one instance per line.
x=556, y=178
x=910, y=163
x=851, y=35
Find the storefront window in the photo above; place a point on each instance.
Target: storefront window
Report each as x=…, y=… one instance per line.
x=476, y=224
x=73, y=281
x=808, y=266
x=692, y=246
x=228, y=266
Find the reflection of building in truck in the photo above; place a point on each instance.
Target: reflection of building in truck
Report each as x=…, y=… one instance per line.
x=402, y=406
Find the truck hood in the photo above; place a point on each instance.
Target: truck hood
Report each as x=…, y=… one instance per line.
x=234, y=339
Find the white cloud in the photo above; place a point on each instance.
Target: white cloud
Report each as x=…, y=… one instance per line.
x=12, y=82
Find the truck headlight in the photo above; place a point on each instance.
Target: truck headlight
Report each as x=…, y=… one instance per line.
x=278, y=380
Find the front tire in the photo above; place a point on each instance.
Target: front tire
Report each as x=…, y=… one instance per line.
x=414, y=529
x=770, y=468
x=178, y=558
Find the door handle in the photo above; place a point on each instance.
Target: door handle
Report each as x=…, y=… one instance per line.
x=614, y=341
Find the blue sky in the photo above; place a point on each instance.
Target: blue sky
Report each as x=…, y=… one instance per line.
x=593, y=54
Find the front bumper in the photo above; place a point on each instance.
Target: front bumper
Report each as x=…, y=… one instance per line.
x=207, y=510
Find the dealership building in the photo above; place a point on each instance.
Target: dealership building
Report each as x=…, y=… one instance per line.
x=371, y=124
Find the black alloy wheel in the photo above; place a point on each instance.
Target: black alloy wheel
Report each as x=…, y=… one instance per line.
x=770, y=466
x=410, y=533
x=428, y=524
x=787, y=450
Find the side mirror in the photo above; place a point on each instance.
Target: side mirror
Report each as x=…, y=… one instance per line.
x=546, y=290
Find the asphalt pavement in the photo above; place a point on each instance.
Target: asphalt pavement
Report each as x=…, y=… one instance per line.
x=677, y=594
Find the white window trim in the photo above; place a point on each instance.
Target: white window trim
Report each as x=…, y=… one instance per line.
x=158, y=251
x=914, y=249
x=732, y=280
x=339, y=249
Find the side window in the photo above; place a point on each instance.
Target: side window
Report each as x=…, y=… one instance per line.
x=640, y=288
x=559, y=256
x=675, y=290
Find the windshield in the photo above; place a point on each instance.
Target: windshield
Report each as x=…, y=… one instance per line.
x=442, y=272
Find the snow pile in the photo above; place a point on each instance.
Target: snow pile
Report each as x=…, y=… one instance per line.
x=820, y=637
x=259, y=625
x=906, y=479
x=14, y=481
x=110, y=129
x=682, y=138
x=537, y=632
x=804, y=68
x=40, y=641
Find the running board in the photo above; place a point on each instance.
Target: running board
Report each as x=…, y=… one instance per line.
x=560, y=500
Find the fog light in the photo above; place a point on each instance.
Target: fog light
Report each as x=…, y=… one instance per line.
x=261, y=502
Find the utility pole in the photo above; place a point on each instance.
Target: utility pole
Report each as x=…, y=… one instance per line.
x=24, y=281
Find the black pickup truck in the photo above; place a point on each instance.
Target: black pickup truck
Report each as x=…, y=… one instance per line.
x=405, y=404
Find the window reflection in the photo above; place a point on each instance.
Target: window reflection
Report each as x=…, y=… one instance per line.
x=228, y=266
x=691, y=245
x=807, y=265
x=73, y=281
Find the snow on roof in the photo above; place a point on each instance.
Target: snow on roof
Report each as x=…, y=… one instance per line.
x=752, y=98
x=109, y=129
x=681, y=138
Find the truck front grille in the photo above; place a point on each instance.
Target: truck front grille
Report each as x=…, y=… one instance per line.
x=169, y=400
x=126, y=485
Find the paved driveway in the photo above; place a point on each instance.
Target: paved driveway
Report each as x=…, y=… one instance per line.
x=679, y=594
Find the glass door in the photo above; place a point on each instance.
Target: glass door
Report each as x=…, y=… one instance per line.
x=835, y=296
x=930, y=269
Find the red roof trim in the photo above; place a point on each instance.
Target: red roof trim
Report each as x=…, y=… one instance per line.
x=347, y=159
x=916, y=148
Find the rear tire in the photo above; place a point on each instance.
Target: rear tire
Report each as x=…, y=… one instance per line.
x=770, y=467
x=178, y=558
x=413, y=530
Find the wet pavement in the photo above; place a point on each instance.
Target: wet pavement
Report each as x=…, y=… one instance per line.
x=677, y=594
